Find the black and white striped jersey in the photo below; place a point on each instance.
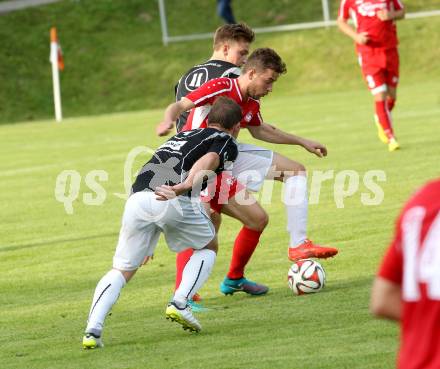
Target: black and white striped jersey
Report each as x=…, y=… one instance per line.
x=197, y=76
x=173, y=160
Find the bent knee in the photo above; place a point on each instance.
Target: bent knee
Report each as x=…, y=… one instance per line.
x=300, y=168
x=212, y=245
x=259, y=221
x=295, y=170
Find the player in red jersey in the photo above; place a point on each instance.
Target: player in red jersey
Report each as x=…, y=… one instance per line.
x=376, y=45
x=259, y=73
x=230, y=49
x=407, y=286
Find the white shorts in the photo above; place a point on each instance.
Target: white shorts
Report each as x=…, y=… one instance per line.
x=183, y=222
x=252, y=165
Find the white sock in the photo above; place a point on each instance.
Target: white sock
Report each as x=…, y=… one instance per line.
x=106, y=294
x=195, y=274
x=296, y=202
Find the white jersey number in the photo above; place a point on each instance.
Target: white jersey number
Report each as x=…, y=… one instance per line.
x=196, y=80
x=421, y=262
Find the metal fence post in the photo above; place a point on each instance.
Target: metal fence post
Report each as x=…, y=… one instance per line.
x=163, y=22
x=326, y=11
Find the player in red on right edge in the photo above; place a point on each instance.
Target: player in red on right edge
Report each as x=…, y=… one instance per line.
x=376, y=46
x=407, y=285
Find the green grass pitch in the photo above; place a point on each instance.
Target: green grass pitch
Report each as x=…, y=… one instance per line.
x=51, y=261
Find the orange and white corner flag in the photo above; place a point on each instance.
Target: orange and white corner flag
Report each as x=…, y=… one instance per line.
x=56, y=54
x=56, y=59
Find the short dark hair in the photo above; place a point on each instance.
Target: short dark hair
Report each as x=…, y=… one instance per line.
x=233, y=32
x=265, y=58
x=225, y=112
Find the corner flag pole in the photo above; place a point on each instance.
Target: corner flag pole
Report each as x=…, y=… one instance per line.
x=57, y=64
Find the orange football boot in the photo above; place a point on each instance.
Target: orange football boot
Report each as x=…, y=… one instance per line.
x=309, y=250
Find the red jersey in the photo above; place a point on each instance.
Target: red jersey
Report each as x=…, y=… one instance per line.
x=204, y=96
x=382, y=34
x=413, y=261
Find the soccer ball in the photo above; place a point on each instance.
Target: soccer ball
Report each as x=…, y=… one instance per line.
x=306, y=276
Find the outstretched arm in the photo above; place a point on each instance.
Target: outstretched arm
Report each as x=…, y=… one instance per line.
x=268, y=133
x=198, y=173
x=172, y=112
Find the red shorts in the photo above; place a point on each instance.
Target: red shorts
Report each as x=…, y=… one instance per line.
x=221, y=190
x=380, y=68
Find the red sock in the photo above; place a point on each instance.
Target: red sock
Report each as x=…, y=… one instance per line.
x=181, y=260
x=384, y=117
x=244, y=246
x=390, y=103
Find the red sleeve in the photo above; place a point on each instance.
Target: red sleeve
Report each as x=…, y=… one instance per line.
x=391, y=267
x=256, y=120
x=207, y=92
x=344, y=9
x=253, y=116
x=398, y=5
